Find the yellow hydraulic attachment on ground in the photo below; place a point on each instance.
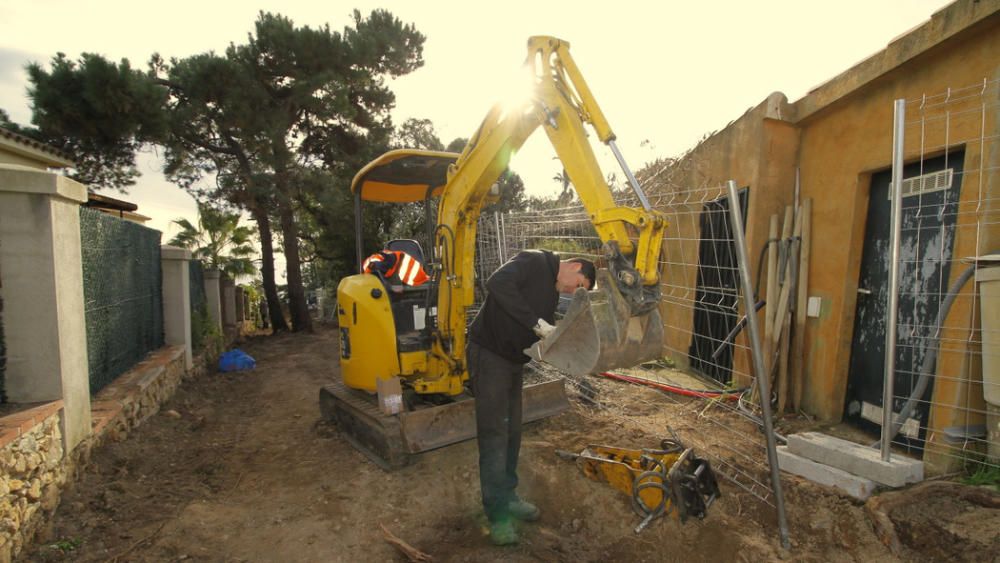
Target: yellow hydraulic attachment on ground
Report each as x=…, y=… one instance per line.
x=668, y=480
x=416, y=336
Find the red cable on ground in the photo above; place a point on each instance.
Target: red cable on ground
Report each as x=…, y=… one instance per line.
x=726, y=395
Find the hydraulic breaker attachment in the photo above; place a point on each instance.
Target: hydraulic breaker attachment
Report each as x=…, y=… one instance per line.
x=599, y=332
x=668, y=480
x=693, y=487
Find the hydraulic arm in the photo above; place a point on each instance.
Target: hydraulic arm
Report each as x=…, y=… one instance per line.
x=624, y=323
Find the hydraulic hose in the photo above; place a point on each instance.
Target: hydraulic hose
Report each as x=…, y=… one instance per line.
x=726, y=395
x=931, y=358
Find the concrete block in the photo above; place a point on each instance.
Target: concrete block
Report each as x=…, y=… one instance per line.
x=857, y=459
x=852, y=485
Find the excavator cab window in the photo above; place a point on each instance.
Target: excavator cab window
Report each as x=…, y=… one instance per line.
x=408, y=246
x=394, y=284
x=410, y=303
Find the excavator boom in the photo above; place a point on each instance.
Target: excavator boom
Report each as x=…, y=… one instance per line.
x=616, y=324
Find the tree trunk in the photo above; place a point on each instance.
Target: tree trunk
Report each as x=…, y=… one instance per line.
x=267, y=270
x=293, y=268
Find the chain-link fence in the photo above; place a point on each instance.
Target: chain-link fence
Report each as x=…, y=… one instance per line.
x=946, y=378
x=122, y=281
x=201, y=323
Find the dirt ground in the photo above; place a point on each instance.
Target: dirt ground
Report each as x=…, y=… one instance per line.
x=239, y=467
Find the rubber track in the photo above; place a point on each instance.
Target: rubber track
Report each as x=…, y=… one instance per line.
x=376, y=435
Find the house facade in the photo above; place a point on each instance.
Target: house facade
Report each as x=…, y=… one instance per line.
x=835, y=147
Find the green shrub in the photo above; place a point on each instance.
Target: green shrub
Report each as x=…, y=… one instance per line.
x=202, y=328
x=984, y=475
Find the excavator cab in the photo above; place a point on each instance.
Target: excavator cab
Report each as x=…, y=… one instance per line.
x=385, y=325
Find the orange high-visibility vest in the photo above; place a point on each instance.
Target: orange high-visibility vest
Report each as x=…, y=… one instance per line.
x=396, y=262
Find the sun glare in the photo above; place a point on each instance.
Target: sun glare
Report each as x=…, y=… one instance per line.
x=516, y=92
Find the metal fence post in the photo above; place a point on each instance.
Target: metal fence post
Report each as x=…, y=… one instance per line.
x=896, y=188
x=736, y=221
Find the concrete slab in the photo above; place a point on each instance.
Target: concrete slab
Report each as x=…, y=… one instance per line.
x=852, y=485
x=856, y=459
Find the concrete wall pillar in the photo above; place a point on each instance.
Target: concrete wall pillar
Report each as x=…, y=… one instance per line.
x=213, y=297
x=42, y=283
x=239, y=302
x=177, y=299
x=228, y=302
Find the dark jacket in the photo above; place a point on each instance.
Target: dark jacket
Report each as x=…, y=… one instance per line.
x=519, y=293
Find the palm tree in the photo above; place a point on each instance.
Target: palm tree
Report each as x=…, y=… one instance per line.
x=218, y=240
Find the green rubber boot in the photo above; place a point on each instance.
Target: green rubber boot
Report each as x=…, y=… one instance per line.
x=503, y=533
x=524, y=510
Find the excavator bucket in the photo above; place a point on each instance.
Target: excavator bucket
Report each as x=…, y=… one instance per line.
x=599, y=333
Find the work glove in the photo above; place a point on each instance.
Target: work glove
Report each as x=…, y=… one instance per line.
x=543, y=329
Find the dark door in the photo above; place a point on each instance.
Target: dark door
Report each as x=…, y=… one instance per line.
x=929, y=210
x=717, y=297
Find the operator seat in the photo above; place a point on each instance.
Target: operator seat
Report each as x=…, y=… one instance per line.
x=412, y=248
x=408, y=246
x=394, y=284
x=409, y=306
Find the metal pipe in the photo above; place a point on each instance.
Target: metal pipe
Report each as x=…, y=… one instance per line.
x=763, y=386
x=503, y=238
x=898, y=131
x=631, y=177
x=727, y=341
x=496, y=221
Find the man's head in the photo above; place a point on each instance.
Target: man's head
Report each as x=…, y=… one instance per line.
x=574, y=273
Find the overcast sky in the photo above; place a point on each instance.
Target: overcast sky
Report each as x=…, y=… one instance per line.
x=664, y=72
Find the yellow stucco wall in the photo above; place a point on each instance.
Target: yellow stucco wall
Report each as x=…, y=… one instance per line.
x=841, y=146
x=757, y=152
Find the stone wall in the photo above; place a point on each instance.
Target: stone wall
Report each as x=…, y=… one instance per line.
x=32, y=474
x=207, y=361
x=34, y=468
x=135, y=396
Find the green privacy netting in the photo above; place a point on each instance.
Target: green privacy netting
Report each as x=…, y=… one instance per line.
x=123, y=304
x=201, y=324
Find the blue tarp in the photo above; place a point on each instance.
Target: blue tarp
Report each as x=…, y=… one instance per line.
x=236, y=360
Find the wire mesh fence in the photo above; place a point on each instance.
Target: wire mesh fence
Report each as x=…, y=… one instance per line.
x=123, y=304
x=946, y=391
x=705, y=370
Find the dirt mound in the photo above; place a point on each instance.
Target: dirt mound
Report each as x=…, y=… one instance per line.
x=938, y=521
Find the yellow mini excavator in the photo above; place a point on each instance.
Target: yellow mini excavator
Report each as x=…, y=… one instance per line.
x=416, y=336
